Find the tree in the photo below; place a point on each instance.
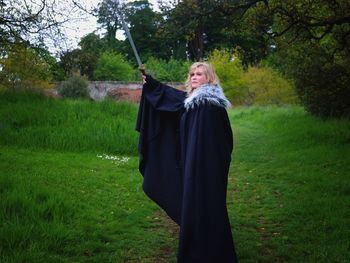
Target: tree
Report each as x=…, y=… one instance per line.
x=312, y=46
x=311, y=38
x=34, y=21
x=54, y=67
x=187, y=24
x=142, y=21
x=91, y=46
x=22, y=67
x=202, y=26
x=84, y=58
x=70, y=61
x=108, y=16
x=322, y=80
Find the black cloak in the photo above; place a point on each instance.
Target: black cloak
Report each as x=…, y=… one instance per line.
x=185, y=150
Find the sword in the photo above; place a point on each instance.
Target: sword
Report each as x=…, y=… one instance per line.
x=131, y=41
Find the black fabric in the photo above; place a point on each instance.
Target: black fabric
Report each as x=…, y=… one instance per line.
x=184, y=159
x=159, y=147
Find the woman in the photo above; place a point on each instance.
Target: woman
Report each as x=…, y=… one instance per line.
x=185, y=151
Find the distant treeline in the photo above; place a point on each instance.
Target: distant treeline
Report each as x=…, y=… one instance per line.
x=306, y=42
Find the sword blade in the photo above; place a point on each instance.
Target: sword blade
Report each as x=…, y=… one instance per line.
x=131, y=41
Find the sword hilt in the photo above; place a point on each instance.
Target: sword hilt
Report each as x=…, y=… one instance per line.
x=142, y=69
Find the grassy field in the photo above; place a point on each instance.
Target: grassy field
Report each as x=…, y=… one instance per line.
x=70, y=190
x=32, y=121
x=290, y=186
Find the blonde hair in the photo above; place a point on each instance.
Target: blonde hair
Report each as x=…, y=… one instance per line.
x=209, y=73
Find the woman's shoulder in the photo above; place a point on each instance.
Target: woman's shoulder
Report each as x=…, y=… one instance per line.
x=207, y=95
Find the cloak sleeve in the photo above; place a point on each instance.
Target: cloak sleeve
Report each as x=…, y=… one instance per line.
x=159, y=145
x=207, y=142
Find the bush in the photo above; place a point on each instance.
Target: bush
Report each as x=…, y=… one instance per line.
x=112, y=66
x=256, y=85
x=229, y=70
x=265, y=87
x=322, y=82
x=75, y=87
x=172, y=70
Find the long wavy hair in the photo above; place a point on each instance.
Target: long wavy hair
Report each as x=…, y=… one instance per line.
x=209, y=72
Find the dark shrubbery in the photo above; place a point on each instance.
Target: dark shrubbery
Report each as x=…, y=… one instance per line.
x=325, y=91
x=74, y=87
x=322, y=81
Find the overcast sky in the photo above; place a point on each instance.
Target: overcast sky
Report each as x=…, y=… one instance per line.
x=76, y=30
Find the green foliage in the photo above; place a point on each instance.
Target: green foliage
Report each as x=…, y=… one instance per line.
x=266, y=86
x=256, y=85
x=108, y=18
x=229, y=70
x=74, y=87
x=145, y=25
x=70, y=62
x=84, y=59
x=23, y=67
x=23, y=95
x=112, y=66
x=143, y=28
x=79, y=60
x=172, y=70
x=311, y=48
x=54, y=67
x=195, y=25
x=322, y=81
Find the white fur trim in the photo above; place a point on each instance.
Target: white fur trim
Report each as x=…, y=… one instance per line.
x=207, y=93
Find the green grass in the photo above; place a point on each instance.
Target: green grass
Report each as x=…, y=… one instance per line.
x=62, y=200
x=30, y=120
x=290, y=186
x=75, y=207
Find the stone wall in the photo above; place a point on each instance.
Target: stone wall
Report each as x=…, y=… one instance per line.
x=130, y=91
x=119, y=90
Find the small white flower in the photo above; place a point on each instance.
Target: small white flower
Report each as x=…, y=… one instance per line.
x=116, y=160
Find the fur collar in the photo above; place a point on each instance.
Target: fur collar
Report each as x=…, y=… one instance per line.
x=207, y=93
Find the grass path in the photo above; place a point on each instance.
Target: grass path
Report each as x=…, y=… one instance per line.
x=254, y=196
x=289, y=187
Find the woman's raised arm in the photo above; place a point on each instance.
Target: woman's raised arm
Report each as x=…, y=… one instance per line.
x=162, y=97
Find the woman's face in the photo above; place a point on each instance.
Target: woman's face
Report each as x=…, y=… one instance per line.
x=198, y=78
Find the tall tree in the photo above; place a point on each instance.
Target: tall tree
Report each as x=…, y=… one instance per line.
x=310, y=37
x=206, y=25
x=143, y=22
x=186, y=23
x=108, y=16
x=313, y=47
